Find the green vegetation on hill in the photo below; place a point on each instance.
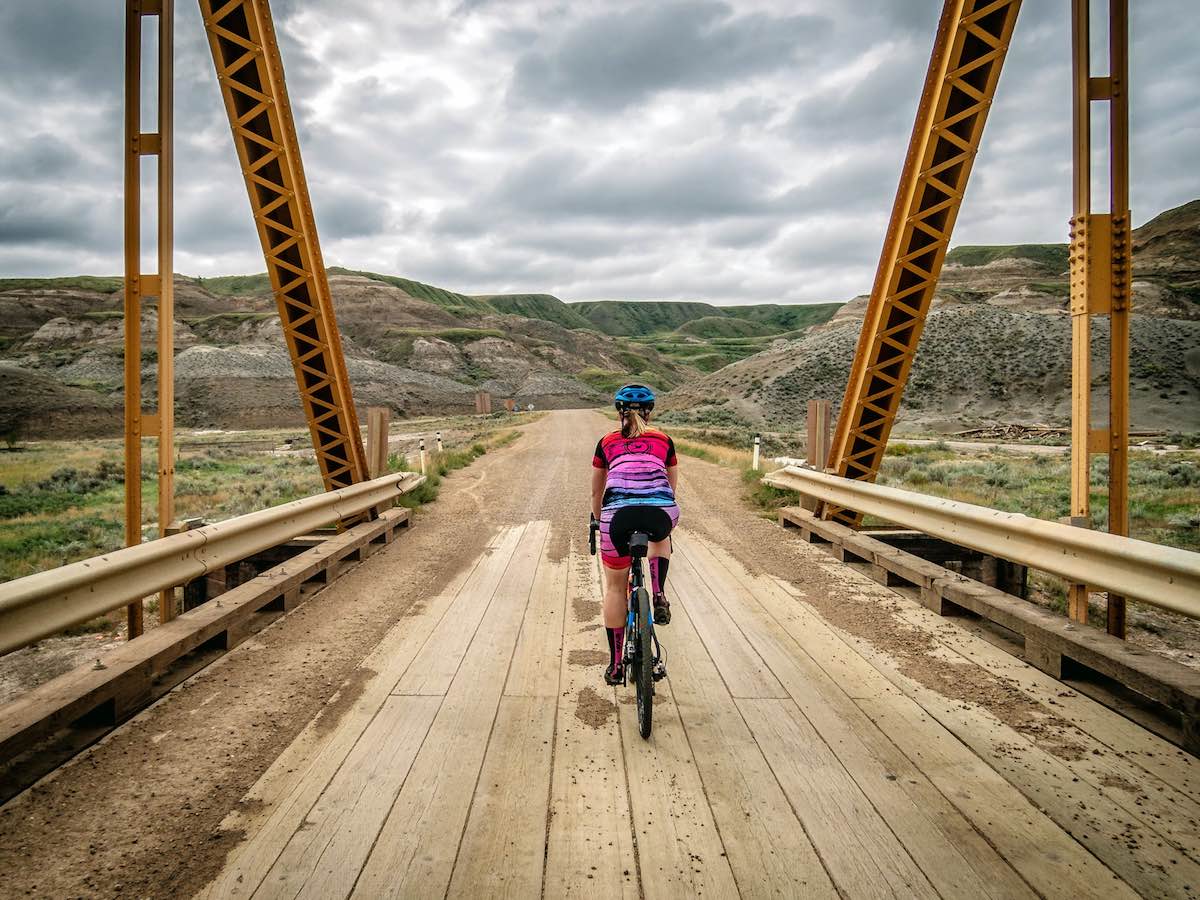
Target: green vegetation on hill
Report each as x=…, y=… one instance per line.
x=702, y=335
x=645, y=317
x=723, y=327
x=790, y=317
x=537, y=306
x=1052, y=256
x=101, y=284
x=627, y=317
x=231, y=285
x=450, y=300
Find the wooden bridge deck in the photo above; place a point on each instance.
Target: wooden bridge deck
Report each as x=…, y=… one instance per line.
x=480, y=754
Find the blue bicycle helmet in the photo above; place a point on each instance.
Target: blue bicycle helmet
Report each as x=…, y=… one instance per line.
x=634, y=396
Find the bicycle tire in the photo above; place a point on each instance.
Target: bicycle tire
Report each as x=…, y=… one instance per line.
x=643, y=669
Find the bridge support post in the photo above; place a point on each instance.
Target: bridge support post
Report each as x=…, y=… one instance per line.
x=160, y=424
x=1100, y=285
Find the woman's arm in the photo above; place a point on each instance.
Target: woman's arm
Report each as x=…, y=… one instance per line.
x=598, y=479
x=673, y=477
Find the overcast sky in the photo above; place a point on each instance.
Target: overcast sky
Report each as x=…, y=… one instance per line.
x=734, y=152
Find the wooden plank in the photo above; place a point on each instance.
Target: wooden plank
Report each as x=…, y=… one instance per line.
x=435, y=666
x=944, y=844
x=1048, y=858
x=1161, y=679
x=1142, y=855
x=768, y=850
x=538, y=659
x=415, y=852
x=680, y=850
x=589, y=841
x=278, y=803
x=327, y=850
x=1164, y=772
x=859, y=849
x=743, y=670
x=503, y=847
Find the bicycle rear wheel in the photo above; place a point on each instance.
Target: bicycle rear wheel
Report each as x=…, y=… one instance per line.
x=643, y=665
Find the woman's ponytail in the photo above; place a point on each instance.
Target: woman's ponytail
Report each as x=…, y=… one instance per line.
x=633, y=425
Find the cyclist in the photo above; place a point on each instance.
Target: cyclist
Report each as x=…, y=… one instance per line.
x=633, y=466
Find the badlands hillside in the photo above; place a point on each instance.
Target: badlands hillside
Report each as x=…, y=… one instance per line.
x=409, y=346
x=996, y=347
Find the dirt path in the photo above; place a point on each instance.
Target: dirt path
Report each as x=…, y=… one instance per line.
x=133, y=816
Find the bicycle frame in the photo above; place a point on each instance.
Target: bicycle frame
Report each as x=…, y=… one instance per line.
x=637, y=581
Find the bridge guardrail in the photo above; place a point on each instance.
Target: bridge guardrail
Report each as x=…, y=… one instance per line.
x=43, y=604
x=1166, y=577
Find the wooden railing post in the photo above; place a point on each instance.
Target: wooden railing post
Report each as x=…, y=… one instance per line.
x=377, y=441
x=818, y=441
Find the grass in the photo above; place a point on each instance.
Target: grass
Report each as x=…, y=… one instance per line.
x=62, y=501
x=231, y=285
x=537, y=306
x=1164, y=489
x=438, y=296
x=1052, y=256
x=100, y=283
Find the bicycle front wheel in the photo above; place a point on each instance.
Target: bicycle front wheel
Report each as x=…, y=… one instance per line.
x=643, y=665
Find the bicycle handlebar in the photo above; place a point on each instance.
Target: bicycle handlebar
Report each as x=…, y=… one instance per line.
x=593, y=527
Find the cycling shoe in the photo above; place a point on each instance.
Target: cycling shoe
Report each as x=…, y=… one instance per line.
x=662, y=610
x=614, y=675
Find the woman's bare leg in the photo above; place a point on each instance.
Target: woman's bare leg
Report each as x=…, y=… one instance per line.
x=616, y=581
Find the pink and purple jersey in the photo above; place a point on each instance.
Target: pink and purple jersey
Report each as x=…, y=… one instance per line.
x=637, y=469
x=637, y=476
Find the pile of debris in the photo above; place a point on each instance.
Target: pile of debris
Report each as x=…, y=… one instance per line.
x=1012, y=432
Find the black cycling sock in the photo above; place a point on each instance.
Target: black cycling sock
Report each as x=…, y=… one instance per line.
x=664, y=563
x=612, y=653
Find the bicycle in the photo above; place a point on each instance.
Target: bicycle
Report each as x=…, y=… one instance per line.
x=642, y=657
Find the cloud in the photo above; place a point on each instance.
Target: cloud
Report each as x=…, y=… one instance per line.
x=618, y=58
x=691, y=149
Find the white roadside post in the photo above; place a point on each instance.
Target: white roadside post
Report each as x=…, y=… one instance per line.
x=422, y=456
x=439, y=440
x=757, y=445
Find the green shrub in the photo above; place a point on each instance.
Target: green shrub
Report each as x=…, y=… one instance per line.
x=763, y=495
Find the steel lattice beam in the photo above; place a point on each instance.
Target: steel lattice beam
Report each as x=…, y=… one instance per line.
x=242, y=38
x=972, y=40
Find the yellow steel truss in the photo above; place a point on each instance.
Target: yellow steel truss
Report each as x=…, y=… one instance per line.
x=242, y=38
x=972, y=40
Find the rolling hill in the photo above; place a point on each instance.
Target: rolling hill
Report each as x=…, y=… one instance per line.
x=410, y=345
x=996, y=345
